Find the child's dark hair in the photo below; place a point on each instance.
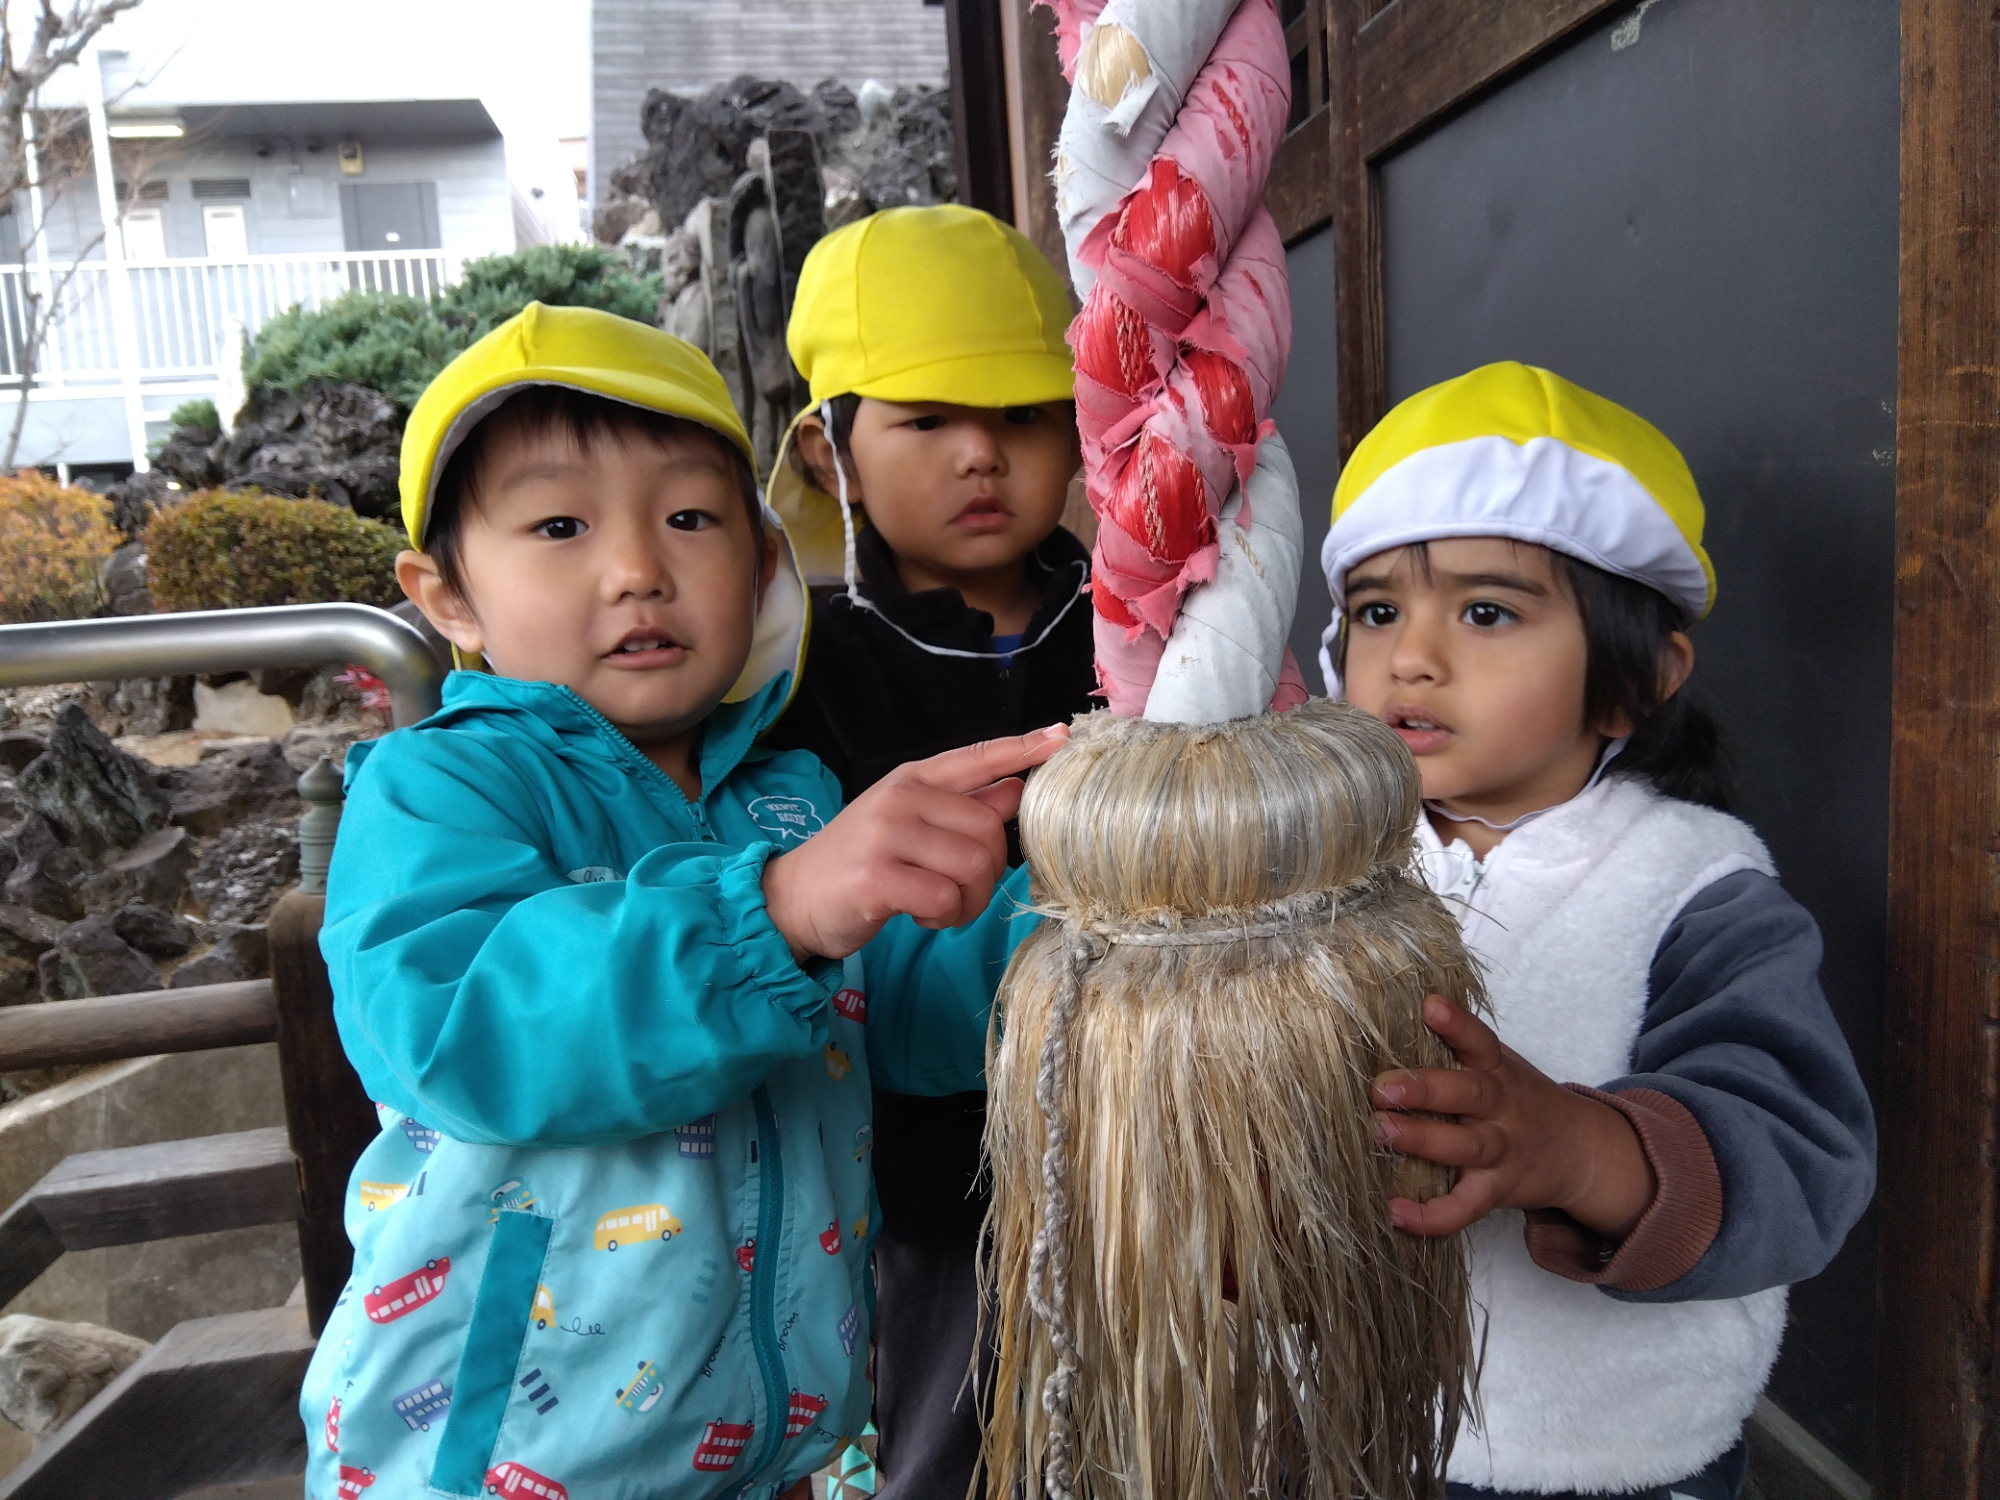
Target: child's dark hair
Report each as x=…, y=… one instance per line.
x=561, y=411
x=1675, y=744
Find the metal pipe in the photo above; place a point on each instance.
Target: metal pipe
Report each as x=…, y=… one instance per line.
x=229, y=640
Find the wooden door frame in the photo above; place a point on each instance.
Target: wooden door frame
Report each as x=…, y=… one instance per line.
x=1401, y=67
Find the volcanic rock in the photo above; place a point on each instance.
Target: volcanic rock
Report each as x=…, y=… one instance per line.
x=90, y=958
x=240, y=952
x=95, y=795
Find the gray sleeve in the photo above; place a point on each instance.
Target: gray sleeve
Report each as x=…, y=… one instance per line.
x=1738, y=1032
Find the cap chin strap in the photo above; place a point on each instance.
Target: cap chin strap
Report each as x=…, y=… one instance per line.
x=1611, y=753
x=852, y=568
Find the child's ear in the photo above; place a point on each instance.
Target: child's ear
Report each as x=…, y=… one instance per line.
x=1676, y=664
x=425, y=587
x=815, y=451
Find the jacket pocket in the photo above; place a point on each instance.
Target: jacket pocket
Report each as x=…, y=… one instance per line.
x=493, y=1341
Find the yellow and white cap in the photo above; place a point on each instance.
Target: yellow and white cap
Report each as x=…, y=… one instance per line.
x=1521, y=453
x=621, y=360
x=1509, y=450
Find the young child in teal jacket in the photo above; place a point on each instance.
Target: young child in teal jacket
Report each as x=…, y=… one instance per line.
x=617, y=977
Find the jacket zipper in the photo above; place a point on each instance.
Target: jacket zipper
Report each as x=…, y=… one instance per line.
x=764, y=1281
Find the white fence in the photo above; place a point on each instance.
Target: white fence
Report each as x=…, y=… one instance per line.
x=183, y=309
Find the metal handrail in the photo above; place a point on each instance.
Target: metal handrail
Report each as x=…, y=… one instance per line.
x=229, y=640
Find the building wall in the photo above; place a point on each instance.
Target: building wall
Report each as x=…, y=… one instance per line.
x=687, y=46
x=475, y=205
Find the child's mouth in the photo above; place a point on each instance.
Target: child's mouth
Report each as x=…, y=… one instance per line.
x=646, y=650
x=983, y=513
x=1420, y=731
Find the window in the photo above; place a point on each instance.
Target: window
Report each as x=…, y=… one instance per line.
x=221, y=187
x=145, y=231
x=228, y=234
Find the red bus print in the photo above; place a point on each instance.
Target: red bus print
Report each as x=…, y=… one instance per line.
x=829, y=1238
x=852, y=1004
x=354, y=1481
x=407, y=1293
x=722, y=1445
x=512, y=1479
x=805, y=1411
x=333, y=1426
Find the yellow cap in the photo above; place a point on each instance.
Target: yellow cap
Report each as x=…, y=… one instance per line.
x=1511, y=450
x=932, y=304
x=578, y=347
x=621, y=360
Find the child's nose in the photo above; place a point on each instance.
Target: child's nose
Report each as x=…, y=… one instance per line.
x=980, y=452
x=1417, y=655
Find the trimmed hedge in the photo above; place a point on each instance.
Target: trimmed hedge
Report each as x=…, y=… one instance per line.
x=397, y=344
x=53, y=543
x=230, y=549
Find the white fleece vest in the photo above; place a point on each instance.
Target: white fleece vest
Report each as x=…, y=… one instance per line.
x=1580, y=1391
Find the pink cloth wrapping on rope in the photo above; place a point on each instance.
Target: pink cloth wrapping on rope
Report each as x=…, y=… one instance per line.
x=1181, y=345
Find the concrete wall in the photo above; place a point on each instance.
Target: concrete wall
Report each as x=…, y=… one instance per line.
x=144, y=1290
x=686, y=46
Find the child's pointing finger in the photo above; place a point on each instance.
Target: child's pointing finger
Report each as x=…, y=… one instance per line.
x=967, y=770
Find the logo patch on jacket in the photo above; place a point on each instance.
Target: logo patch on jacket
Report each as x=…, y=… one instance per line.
x=787, y=819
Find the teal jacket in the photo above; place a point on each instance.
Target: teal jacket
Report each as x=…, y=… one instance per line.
x=613, y=1239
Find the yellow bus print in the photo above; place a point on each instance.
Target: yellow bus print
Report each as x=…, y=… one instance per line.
x=645, y=1221
x=545, y=1307
x=376, y=1195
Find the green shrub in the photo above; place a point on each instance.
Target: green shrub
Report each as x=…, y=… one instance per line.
x=397, y=344
x=229, y=549
x=199, y=412
x=53, y=541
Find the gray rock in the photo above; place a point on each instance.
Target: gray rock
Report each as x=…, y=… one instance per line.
x=240, y=876
x=20, y=981
x=26, y=934
x=123, y=578
x=92, y=959
x=236, y=783
x=697, y=147
x=154, y=932
x=49, y=1371
x=148, y=705
x=46, y=872
x=136, y=498
x=339, y=442
x=187, y=457
x=153, y=871
x=240, y=952
x=94, y=794
x=19, y=746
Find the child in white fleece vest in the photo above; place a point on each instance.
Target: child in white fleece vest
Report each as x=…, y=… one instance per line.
x=1663, y=1127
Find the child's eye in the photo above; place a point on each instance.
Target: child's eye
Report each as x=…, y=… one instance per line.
x=927, y=424
x=1485, y=615
x=690, y=520
x=561, y=528
x=1024, y=416
x=1377, y=614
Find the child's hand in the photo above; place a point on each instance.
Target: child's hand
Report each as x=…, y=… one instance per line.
x=928, y=839
x=1520, y=1139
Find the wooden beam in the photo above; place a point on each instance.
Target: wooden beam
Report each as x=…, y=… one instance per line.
x=1037, y=95
x=1939, y=1388
x=326, y=1109
x=214, y=1402
x=1418, y=59
x=1300, y=190
x=110, y=1028
x=1360, y=382
x=979, y=105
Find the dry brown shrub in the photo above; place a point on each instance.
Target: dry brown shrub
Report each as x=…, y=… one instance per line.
x=53, y=542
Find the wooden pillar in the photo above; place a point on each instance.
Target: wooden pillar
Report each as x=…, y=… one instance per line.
x=1937, y=1391
x=979, y=105
x=1037, y=95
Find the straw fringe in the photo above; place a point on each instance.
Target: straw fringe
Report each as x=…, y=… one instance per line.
x=1179, y=1079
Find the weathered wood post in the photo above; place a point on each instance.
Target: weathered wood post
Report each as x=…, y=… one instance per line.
x=326, y=1111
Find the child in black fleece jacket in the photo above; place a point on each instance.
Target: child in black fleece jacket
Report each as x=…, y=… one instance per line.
x=932, y=341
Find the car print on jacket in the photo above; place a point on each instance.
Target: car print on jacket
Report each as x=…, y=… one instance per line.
x=406, y=1294
x=721, y=1445
x=333, y=1426
x=805, y=1411
x=416, y=1406
x=852, y=1004
x=422, y=1137
x=353, y=1481
x=630, y=1226
x=746, y=1256
x=838, y=1063
x=545, y=1307
x=644, y=1390
x=513, y=1479
x=512, y=1195
x=829, y=1238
